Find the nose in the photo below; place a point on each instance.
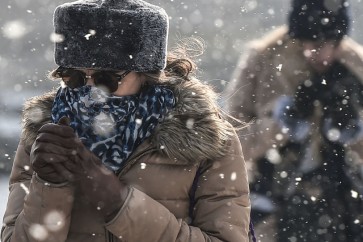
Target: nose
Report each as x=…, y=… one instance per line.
x=89, y=80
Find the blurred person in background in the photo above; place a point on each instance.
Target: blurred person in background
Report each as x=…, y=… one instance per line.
x=131, y=147
x=301, y=87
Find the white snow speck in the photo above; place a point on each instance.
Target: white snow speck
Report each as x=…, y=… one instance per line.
x=283, y=174
x=26, y=190
x=273, y=156
x=190, y=123
x=38, y=232
x=103, y=124
x=279, y=136
x=56, y=38
x=91, y=32
x=54, y=220
x=18, y=87
x=271, y=11
x=219, y=23
x=15, y=29
x=333, y=134
x=233, y=176
x=307, y=53
x=325, y=21
x=354, y=194
x=138, y=121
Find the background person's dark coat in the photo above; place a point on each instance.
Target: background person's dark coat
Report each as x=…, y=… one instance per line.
x=290, y=177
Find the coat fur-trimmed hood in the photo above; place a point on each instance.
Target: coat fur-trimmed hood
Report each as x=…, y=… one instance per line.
x=191, y=132
x=350, y=53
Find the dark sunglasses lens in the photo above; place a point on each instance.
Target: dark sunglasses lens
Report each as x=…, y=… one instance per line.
x=107, y=81
x=75, y=80
x=72, y=78
x=61, y=72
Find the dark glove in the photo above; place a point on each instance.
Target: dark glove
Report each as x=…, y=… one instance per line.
x=100, y=185
x=288, y=116
x=340, y=102
x=51, y=152
x=305, y=96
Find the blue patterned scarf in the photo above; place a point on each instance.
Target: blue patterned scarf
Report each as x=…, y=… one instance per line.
x=112, y=127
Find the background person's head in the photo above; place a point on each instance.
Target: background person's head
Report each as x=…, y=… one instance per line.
x=320, y=26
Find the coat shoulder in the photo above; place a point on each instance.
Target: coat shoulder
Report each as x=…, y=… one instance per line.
x=194, y=130
x=273, y=45
x=272, y=39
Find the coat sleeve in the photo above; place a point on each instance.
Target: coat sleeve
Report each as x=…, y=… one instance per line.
x=221, y=210
x=36, y=210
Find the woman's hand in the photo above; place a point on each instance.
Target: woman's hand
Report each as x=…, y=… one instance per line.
x=99, y=184
x=51, y=153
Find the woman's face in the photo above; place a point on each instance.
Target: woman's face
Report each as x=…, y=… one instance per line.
x=319, y=54
x=129, y=85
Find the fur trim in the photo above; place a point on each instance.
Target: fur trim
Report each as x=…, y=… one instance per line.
x=290, y=54
x=35, y=114
x=192, y=132
x=278, y=39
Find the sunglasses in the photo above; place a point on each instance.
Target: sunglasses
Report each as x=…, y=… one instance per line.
x=109, y=80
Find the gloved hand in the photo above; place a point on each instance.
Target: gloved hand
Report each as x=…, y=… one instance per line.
x=51, y=152
x=340, y=102
x=288, y=116
x=305, y=96
x=100, y=185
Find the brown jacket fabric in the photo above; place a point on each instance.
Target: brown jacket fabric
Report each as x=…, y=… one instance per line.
x=187, y=182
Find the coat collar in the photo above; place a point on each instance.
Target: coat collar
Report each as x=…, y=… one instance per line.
x=350, y=53
x=191, y=132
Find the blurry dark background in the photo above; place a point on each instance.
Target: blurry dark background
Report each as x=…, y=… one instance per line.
x=26, y=47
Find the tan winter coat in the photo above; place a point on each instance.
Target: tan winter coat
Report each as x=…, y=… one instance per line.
x=188, y=183
x=274, y=66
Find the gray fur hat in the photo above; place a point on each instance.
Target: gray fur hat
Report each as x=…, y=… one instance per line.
x=111, y=34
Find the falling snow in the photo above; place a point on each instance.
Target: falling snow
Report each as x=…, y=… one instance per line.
x=38, y=232
x=15, y=29
x=27, y=41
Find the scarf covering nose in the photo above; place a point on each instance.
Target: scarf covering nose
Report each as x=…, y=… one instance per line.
x=112, y=127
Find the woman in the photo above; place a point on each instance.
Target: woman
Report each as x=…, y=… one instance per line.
x=127, y=149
